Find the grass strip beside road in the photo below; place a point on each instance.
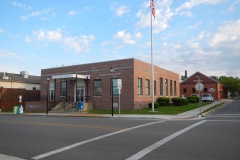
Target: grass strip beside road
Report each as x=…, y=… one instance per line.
x=214, y=107
x=171, y=110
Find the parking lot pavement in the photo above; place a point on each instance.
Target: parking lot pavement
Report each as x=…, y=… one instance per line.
x=54, y=137
x=6, y=157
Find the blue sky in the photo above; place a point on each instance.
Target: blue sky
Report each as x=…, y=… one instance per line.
x=192, y=35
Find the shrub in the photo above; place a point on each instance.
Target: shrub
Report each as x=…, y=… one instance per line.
x=192, y=100
x=163, y=99
x=156, y=105
x=162, y=104
x=179, y=101
x=193, y=97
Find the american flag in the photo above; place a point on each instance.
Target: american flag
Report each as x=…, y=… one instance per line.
x=152, y=8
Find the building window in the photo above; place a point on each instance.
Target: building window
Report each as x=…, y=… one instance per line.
x=184, y=90
x=171, y=88
x=140, y=86
x=166, y=87
x=161, y=86
x=63, y=91
x=175, y=88
x=155, y=89
x=193, y=90
x=97, y=87
x=147, y=87
x=205, y=89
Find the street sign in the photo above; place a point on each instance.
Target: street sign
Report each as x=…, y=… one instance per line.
x=211, y=89
x=199, y=87
x=119, y=83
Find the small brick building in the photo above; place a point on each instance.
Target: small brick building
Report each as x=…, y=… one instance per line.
x=92, y=83
x=211, y=86
x=9, y=97
x=13, y=86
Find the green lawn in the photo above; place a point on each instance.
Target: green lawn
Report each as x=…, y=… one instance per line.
x=160, y=110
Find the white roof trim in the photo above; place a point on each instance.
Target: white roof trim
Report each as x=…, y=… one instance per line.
x=70, y=76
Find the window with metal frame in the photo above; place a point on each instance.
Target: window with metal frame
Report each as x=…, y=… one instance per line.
x=147, y=87
x=63, y=89
x=140, y=86
x=97, y=87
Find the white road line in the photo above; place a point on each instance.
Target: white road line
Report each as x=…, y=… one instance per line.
x=154, y=146
x=90, y=140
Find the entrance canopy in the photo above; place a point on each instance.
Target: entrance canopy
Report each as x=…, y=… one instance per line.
x=71, y=76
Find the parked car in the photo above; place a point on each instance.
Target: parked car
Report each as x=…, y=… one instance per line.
x=195, y=95
x=207, y=98
x=183, y=96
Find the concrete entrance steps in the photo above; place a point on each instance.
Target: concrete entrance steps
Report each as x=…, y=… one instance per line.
x=64, y=107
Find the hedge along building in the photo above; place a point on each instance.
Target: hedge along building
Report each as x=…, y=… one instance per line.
x=92, y=83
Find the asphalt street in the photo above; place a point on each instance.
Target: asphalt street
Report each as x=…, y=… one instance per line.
x=215, y=137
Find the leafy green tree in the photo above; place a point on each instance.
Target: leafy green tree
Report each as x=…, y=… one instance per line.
x=215, y=78
x=231, y=83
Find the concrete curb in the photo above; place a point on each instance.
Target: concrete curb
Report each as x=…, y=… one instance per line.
x=193, y=114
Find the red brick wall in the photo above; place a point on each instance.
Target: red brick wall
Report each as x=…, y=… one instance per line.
x=219, y=93
x=10, y=97
x=143, y=70
x=128, y=70
x=37, y=106
x=190, y=86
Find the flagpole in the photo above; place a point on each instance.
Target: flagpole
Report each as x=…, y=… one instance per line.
x=152, y=59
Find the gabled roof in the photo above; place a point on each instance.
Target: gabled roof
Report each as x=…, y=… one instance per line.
x=19, y=78
x=205, y=79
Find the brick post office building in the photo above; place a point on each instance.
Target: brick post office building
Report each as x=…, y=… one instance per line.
x=92, y=83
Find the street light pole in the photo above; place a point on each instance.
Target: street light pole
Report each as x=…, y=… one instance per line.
x=199, y=95
x=48, y=79
x=112, y=70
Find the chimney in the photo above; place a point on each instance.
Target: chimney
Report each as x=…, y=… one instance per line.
x=24, y=74
x=186, y=74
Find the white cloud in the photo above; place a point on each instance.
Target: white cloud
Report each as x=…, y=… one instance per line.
x=233, y=6
x=193, y=3
x=119, y=11
x=28, y=39
x=21, y=5
x=46, y=12
x=78, y=44
x=138, y=35
x=122, y=10
x=126, y=38
x=53, y=36
x=4, y=54
x=194, y=26
x=72, y=13
x=104, y=43
x=228, y=33
x=1, y=30
x=163, y=14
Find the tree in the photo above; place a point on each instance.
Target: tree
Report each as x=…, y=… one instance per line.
x=215, y=78
x=231, y=83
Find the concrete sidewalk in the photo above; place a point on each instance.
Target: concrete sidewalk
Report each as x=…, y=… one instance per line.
x=185, y=115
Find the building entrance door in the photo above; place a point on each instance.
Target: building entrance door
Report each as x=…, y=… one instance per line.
x=51, y=95
x=80, y=93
